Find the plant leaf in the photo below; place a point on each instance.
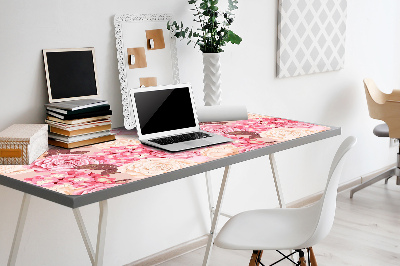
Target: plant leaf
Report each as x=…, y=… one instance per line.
x=233, y=37
x=204, y=5
x=232, y=5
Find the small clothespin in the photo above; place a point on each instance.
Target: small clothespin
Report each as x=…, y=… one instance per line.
x=151, y=43
x=132, y=59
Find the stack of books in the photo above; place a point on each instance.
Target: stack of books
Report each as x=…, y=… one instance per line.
x=78, y=123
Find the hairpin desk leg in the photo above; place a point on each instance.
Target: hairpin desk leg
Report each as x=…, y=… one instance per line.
x=85, y=236
x=95, y=258
x=210, y=194
x=101, y=233
x=215, y=217
x=277, y=182
x=278, y=187
x=19, y=229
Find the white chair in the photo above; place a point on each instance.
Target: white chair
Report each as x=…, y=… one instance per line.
x=287, y=229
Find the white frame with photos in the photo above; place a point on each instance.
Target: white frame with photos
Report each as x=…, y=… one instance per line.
x=146, y=20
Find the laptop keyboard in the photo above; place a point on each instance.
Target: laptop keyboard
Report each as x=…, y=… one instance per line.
x=180, y=138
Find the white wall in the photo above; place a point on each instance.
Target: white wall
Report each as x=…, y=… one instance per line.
x=146, y=222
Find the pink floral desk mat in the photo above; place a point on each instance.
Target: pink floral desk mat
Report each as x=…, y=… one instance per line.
x=92, y=168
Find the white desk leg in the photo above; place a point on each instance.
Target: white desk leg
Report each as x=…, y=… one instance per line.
x=210, y=195
x=19, y=230
x=277, y=182
x=278, y=187
x=85, y=236
x=215, y=217
x=95, y=258
x=101, y=233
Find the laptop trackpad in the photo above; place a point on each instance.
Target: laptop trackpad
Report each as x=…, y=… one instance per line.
x=198, y=142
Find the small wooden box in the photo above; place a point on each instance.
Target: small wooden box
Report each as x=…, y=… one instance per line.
x=23, y=143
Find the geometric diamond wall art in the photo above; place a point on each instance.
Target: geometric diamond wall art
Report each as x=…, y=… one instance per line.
x=311, y=36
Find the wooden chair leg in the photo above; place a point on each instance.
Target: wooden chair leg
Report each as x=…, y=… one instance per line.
x=255, y=257
x=302, y=259
x=313, y=260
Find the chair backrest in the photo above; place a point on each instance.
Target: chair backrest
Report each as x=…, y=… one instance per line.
x=371, y=102
x=384, y=106
x=375, y=99
x=327, y=203
x=379, y=96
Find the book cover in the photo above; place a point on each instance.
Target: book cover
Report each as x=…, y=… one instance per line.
x=77, y=104
x=79, y=137
x=79, y=131
x=79, y=116
x=78, y=121
x=79, y=111
x=81, y=143
x=69, y=127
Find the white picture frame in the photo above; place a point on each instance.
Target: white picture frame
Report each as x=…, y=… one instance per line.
x=91, y=50
x=311, y=37
x=163, y=64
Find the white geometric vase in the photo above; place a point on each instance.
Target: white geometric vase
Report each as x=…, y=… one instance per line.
x=212, y=75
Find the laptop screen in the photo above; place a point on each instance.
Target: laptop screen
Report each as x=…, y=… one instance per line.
x=164, y=110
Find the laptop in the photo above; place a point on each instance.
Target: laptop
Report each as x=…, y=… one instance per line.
x=166, y=118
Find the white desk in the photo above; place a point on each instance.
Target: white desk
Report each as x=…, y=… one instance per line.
x=96, y=173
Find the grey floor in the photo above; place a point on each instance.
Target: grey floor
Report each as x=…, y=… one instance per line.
x=366, y=232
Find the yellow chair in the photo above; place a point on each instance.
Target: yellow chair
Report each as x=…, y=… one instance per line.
x=385, y=107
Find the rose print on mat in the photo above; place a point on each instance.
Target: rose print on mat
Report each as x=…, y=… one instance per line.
x=287, y=133
x=154, y=166
x=107, y=169
x=251, y=144
x=220, y=151
x=74, y=182
x=14, y=169
x=217, y=128
x=63, y=162
x=190, y=154
x=124, y=154
x=52, y=152
x=249, y=134
x=118, y=143
x=105, y=165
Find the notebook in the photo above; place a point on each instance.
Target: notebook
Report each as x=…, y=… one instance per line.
x=166, y=118
x=77, y=106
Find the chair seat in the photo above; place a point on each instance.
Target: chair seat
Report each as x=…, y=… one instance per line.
x=269, y=229
x=381, y=130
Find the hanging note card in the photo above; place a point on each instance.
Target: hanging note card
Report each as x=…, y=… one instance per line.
x=148, y=82
x=155, y=39
x=137, y=58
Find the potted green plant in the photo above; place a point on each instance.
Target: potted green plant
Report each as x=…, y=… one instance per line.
x=212, y=35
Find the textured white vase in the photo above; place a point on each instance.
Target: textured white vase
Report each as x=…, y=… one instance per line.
x=212, y=75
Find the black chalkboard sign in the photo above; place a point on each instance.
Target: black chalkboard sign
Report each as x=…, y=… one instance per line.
x=70, y=74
